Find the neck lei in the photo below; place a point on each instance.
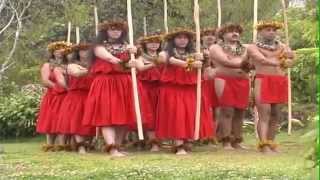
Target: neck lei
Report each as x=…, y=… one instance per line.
x=115, y=49
x=235, y=51
x=271, y=45
x=150, y=58
x=182, y=56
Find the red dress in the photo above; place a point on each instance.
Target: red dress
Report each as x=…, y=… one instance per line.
x=50, y=108
x=110, y=100
x=150, y=83
x=72, y=108
x=177, y=106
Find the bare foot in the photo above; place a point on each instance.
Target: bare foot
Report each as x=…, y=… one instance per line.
x=266, y=150
x=275, y=150
x=82, y=150
x=227, y=146
x=155, y=148
x=116, y=153
x=239, y=146
x=181, y=151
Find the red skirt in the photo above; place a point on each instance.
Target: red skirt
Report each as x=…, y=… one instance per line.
x=71, y=115
x=274, y=89
x=152, y=90
x=235, y=93
x=110, y=102
x=176, y=113
x=44, y=121
x=209, y=93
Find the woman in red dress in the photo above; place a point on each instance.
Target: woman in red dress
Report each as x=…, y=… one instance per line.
x=149, y=76
x=177, y=98
x=110, y=103
x=50, y=103
x=72, y=108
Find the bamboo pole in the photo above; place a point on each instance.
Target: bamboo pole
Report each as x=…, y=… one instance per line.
x=285, y=19
x=165, y=15
x=69, y=32
x=133, y=75
x=255, y=20
x=77, y=35
x=96, y=20
x=219, y=12
x=198, y=46
x=254, y=39
x=145, y=26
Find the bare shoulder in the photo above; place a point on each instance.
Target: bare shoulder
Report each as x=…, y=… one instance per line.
x=252, y=47
x=163, y=54
x=215, y=47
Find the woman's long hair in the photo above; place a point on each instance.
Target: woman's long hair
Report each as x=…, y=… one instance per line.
x=170, y=45
x=103, y=36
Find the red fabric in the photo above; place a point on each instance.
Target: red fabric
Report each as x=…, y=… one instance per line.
x=152, y=74
x=72, y=108
x=150, y=83
x=110, y=100
x=274, y=89
x=177, y=75
x=209, y=92
x=101, y=66
x=235, y=93
x=177, y=107
x=50, y=108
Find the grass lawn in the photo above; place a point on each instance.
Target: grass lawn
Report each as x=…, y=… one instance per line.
x=23, y=159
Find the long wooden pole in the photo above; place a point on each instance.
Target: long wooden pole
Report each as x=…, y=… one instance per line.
x=165, y=15
x=285, y=19
x=96, y=20
x=254, y=39
x=69, y=32
x=133, y=75
x=219, y=12
x=77, y=35
x=198, y=46
x=255, y=19
x=145, y=26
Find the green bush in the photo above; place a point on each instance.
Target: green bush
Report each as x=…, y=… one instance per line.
x=18, y=114
x=303, y=76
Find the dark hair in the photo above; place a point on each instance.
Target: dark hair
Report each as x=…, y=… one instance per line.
x=170, y=45
x=103, y=36
x=91, y=55
x=144, y=47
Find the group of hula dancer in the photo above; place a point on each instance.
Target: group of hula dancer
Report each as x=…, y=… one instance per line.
x=89, y=88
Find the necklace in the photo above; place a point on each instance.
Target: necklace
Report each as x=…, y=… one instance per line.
x=235, y=51
x=271, y=45
x=182, y=56
x=115, y=49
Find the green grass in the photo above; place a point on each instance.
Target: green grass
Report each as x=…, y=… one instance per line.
x=24, y=160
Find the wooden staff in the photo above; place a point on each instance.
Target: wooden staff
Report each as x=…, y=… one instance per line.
x=255, y=19
x=165, y=16
x=254, y=39
x=145, y=26
x=219, y=12
x=198, y=46
x=96, y=20
x=69, y=32
x=77, y=35
x=285, y=19
x=133, y=75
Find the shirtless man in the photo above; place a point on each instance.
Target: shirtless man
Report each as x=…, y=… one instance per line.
x=231, y=84
x=270, y=58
